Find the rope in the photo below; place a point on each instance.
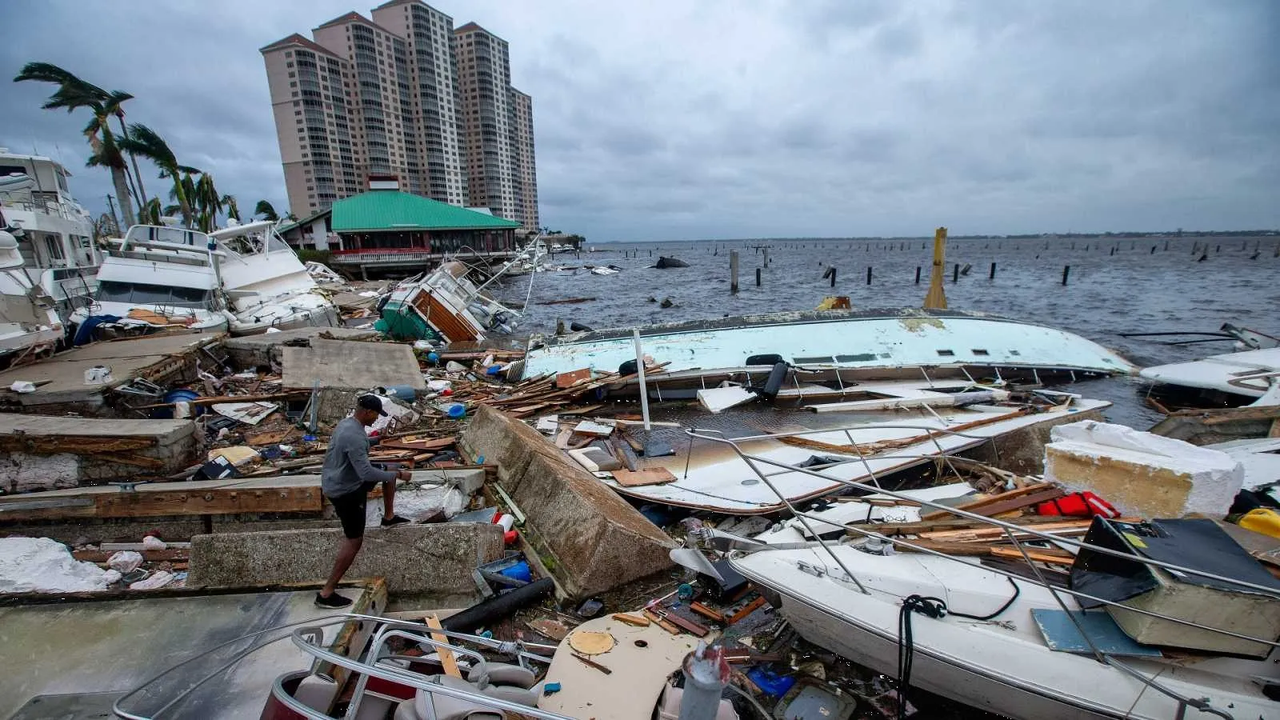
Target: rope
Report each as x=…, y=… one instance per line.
x=934, y=608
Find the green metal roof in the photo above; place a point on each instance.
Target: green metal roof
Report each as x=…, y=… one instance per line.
x=392, y=210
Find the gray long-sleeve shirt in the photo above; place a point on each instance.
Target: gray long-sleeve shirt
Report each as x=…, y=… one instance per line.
x=346, y=463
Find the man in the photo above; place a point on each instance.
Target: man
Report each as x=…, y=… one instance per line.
x=346, y=479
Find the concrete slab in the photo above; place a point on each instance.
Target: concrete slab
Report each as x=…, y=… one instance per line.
x=348, y=365
x=96, y=646
x=594, y=540
x=43, y=453
x=266, y=348
x=63, y=374
x=426, y=560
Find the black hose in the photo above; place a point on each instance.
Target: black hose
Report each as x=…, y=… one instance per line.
x=498, y=607
x=935, y=608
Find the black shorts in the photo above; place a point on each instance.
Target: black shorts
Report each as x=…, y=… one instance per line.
x=350, y=509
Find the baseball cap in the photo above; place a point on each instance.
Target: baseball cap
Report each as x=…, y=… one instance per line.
x=371, y=402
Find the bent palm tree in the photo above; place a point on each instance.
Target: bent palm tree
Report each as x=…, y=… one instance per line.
x=74, y=93
x=146, y=142
x=233, y=210
x=266, y=210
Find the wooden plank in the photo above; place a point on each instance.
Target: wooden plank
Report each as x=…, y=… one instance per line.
x=640, y=478
x=967, y=549
x=632, y=619
x=569, y=379
x=984, y=501
x=447, y=660
x=950, y=523
x=657, y=620
x=987, y=533
x=1004, y=506
x=74, y=444
x=1054, y=557
x=178, y=501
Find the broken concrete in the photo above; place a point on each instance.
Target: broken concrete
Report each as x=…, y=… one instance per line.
x=427, y=560
x=162, y=359
x=268, y=348
x=1143, y=474
x=590, y=538
x=45, y=453
x=349, y=365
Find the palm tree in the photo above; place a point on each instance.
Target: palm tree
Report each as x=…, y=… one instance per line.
x=74, y=93
x=208, y=203
x=146, y=142
x=233, y=210
x=266, y=210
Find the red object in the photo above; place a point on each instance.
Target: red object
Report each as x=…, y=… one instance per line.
x=1080, y=504
x=509, y=537
x=446, y=392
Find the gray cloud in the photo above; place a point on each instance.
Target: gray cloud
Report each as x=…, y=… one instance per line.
x=755, y=118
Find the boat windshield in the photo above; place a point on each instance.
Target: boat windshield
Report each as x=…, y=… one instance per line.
x=252, y=243
x=145, y=294
x=171, y=235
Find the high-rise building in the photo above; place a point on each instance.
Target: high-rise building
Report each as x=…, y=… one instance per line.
x=526, y=171
x=484, y=89
x=403, y=97
x=433, y=77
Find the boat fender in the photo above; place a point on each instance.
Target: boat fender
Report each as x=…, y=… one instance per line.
x=777, y=376
x=770, y=359
x=628, y=368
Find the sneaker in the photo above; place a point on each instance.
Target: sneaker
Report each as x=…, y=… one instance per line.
x=394, y=520
x=333, y=601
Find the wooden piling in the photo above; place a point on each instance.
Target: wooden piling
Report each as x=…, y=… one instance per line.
x=1065, y=272
x=992, y=276
x=757, y=277
x=868, y=274
x=766, y=257
x=833, y=276
x=955, y=274
x=918, y=268
x=733, y=272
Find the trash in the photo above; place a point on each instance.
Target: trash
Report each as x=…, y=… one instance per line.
x=272, y=330
x=1080, y=504
x=771, y=682
x=719, y=399
x=97, y=375
x=665, y=263
x=158, y=580
x=553, y=629
x=151, y=542
x=588, y=427
x=590, y=608
x=43, y=565
x=809, y=699
x=454, y=367
x=456, y=411
x=111, y=577
x=595, y=460
x=216, y=469
x=238, y=457
x=421, y=345
x=550, y=688
x=22, y=386
x=439, y=385
x=250, y=413
x=125, y=561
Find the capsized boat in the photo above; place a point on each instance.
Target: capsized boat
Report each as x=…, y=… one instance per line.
x=835, y=347
x=1250, y=377
x=1002, y=641
x=443, y=305
x=903, y=425
x=29, y=324
x=244, y=278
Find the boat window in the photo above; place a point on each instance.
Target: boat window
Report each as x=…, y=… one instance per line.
x=173, y=235
x=864, y=357
x=1014, y=352
x=947, y=353
x=53, y=247
x=145, y=294
x=811, y=360
x=980, y=352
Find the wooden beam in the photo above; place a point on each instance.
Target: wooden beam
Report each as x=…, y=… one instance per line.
x=181, y=500
x=447, y=660
x=74, y=444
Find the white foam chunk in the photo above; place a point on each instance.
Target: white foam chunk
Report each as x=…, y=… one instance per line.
x=43, y=565
x=1141, y=473
x=723, y=398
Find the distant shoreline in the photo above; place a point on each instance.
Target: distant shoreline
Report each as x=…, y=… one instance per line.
x=1167, y=235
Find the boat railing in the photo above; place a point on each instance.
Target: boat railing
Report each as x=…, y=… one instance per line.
x=308, y=635
x=1261, y=380
x=1015, y=534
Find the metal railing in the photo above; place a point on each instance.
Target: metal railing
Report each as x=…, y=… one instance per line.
x=308, y=635
x=1014, y=533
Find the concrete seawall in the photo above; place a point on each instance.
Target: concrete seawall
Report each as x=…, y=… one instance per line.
x=590, y=538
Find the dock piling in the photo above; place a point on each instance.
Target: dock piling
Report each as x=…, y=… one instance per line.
x=1066, y=270
x=868, y=274
x=918, y=268
x=992, y=276
x=955, y=274
x=757, y=277
x=733, y=272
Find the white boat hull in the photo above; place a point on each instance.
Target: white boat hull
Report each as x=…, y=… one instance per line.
x=1009, y=671
x=1229, y=373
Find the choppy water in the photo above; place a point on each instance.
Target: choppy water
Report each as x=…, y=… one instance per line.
x=1133, y=289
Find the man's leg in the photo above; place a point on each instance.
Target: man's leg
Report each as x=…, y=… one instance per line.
x=346, y=555
x=389, y=499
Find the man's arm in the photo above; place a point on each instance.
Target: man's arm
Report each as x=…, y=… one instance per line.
x=358, y=456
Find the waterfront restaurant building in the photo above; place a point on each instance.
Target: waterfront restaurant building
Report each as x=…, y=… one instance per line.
x=392, y=230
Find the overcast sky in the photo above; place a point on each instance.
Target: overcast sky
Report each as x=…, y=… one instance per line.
x=749, y=118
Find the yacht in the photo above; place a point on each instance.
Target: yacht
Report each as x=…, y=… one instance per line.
x=54, y=233
x=29, y=324
x=444, y=306
x=243, y=278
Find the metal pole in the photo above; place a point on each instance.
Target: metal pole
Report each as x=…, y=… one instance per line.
x=644, y=390
x=706, y=674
